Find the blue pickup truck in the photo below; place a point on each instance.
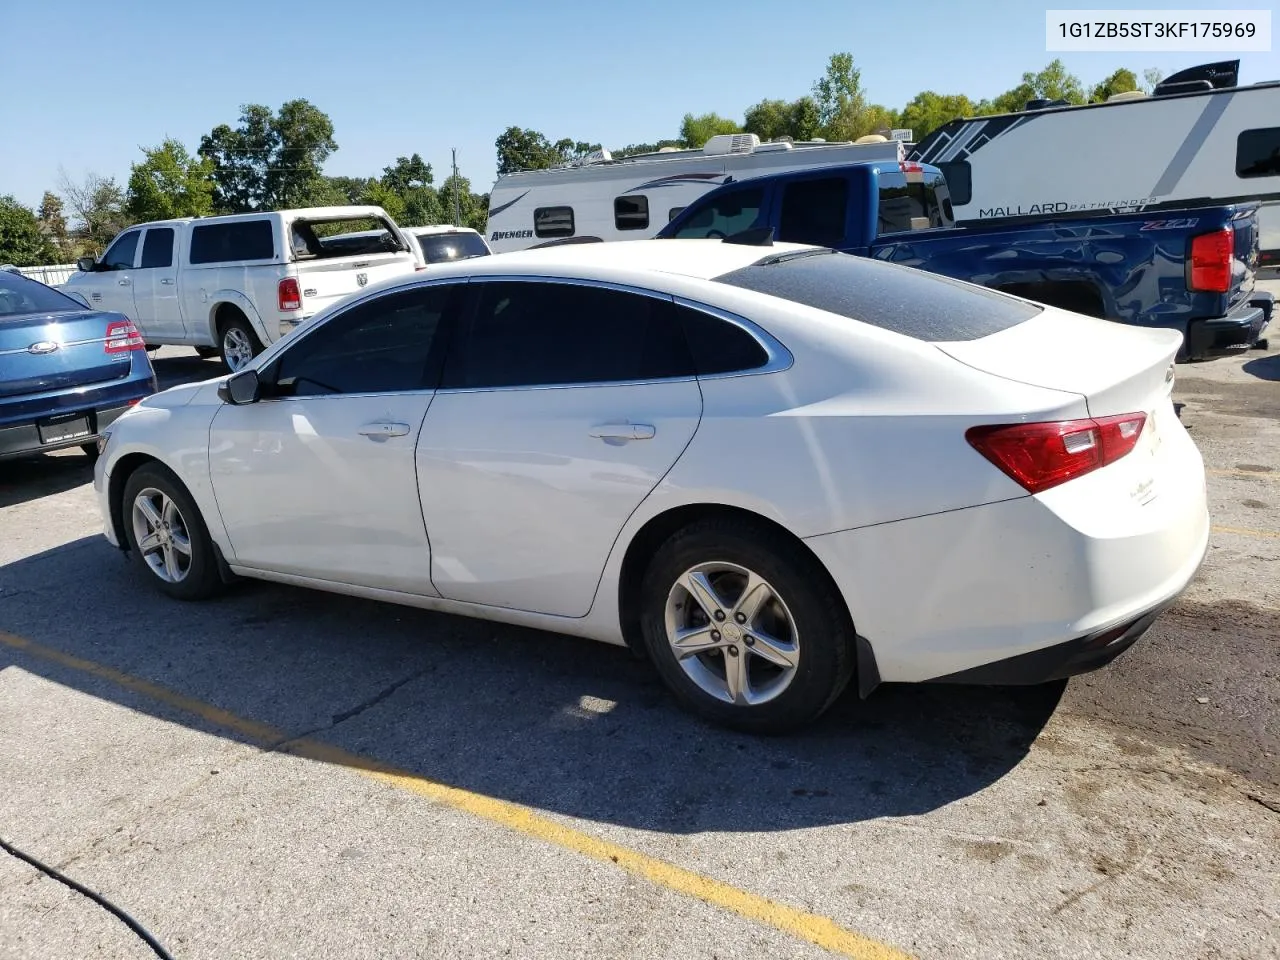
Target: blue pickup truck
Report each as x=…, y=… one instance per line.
x=1191, y=270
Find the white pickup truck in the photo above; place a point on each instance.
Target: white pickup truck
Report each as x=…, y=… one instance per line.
x=231, y=285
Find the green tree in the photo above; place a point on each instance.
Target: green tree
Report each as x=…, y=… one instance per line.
x=473, y=208
x=407, y=173
x=927, y=111
x=840, y=99
x=1122, y=81
x=53, y=222
x=22, y=242
x=378, y=194
x=521, y=149
x=804, y=119
x=768, y=119
x=271, y=160
x=1051, y=83
x=696, y=131
x=170, y=183
x=632, y=149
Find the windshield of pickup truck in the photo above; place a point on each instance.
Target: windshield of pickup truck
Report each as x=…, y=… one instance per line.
x=904, y=300
x=344, y=237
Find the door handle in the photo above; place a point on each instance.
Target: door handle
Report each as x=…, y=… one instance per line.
x=623, y=431
x=167, y=281
x=124, y=281
x=384, y=428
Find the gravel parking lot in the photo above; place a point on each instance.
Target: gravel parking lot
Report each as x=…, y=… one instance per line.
x=282, y=773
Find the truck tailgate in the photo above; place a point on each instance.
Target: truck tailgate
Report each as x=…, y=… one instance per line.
x=325, y=281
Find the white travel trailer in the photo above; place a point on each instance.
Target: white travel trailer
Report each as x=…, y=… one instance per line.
x=1198, y=138
x=633, y=198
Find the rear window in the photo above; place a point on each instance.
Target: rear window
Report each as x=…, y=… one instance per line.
x=442, y=247
x=900, y=299
x=20, y=296
x=1258, y=153
x=232, y=242
x=341, y=237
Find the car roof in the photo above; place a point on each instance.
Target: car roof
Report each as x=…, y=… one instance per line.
x=699, y=259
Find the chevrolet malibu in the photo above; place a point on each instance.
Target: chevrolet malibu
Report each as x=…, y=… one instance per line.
x=774, y=470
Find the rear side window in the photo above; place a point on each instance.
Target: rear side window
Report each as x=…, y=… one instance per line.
x=814, y=211
x=232, y=242
x=723, y=216
x=157, y=248
x=553, y=222
x=548, y=334
x=1258, y=153
x=900, y=299
x=631, y=213
x=719, y=346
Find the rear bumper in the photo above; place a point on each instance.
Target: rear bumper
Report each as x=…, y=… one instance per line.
x=1238, y=330
x=24, y=439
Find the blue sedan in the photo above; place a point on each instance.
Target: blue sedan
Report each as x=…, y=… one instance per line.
x=66, y=371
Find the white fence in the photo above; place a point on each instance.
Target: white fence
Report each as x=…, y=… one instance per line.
x=52, y=276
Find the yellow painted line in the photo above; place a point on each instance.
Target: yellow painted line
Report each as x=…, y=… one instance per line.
x=814, y=928
x=1246, y=532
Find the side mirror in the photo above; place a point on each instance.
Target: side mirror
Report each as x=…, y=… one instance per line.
x=86, y=264
x=240, y=388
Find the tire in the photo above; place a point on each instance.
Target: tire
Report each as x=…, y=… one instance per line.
x=819, y=633
x=199, y=578
x=207, y=353
x=235, y=339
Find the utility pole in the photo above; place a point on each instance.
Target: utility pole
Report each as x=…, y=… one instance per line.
x=457, y=214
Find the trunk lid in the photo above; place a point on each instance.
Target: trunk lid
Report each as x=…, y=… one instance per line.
x=324, y=281
x=1117, y=368
x=45, y=352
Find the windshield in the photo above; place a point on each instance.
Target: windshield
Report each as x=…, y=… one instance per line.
x=20, y=297
x=441, y=247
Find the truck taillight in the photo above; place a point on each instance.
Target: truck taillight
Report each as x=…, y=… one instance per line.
x=290, y=295
x=123, y=336
x=1042, y=455
x=1211, y=255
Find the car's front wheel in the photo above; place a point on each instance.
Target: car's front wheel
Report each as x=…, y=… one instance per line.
x=745, y=626
x=167, y=534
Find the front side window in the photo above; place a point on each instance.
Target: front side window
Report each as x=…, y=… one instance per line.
x=815, y=211
x=384, y=345
x=121, y=254
x=724, y=216
x=232, y=242
x=527, y=333
x=631, y=213
x=157, y=248
x=1258, y=153
x=553, y=222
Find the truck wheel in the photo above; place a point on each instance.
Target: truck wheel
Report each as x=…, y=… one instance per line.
x=237, y=342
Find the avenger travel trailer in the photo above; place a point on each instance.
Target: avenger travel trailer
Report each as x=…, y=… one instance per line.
x=633, y=198
x=1198, y=138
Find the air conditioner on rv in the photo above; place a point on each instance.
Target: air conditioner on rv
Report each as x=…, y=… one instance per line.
x=731, y=143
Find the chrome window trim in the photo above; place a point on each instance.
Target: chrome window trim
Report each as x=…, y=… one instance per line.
x=779, y=358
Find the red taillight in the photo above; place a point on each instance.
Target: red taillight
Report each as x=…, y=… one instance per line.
x=1043, y=455
x=1211, y=255
x=290, y=295
x=123, y=336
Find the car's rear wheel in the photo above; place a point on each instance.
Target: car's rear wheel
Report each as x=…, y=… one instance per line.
x=237, y=343
x=746, y=627
x=168, y=536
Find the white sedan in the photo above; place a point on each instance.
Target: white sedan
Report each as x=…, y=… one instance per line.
x=771, y=469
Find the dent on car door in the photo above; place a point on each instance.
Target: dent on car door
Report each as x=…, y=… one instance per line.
x=562, y=407
x=317, y=479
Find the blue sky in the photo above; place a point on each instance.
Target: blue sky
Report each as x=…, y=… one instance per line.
x=85, y=91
